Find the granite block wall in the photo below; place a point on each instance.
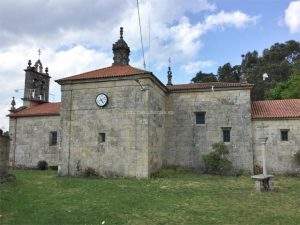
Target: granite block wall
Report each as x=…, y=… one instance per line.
x=279, y=154
x=30, y=140
x=4, y=155
x=187, y=141
x=124, y=121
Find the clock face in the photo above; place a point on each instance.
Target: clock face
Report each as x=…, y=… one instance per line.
x=102, y=100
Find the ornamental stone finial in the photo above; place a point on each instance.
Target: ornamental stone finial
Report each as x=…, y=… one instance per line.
x=29, y=64
x=13, y=104
x=121, y=51
x=121, y=32
x=169, y=73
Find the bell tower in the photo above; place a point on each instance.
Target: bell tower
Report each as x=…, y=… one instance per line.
x=36, y=90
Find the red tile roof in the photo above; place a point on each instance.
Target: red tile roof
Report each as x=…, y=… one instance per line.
x=107, y=72
x=276, y=109
x=44, y=109
x=216, y=85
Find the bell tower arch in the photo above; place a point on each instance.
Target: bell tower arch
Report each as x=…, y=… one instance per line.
x=36, y=90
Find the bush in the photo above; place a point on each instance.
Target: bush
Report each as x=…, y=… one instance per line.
x=297, y=157
x=216, y=161
x=42, y=165
x=53, y=167
x=90, y=172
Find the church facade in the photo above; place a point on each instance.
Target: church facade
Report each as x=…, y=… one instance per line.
x=123, y=121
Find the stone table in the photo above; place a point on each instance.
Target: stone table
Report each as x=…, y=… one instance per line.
x=263, y=182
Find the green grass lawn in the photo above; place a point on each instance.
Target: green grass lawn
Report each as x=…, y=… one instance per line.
x=42, y=198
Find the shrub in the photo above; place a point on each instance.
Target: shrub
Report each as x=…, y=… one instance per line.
x=90, y=172
x=42, y=165
x=297, y=157
x=53, y=167
x=216, y=161
x=7, y=178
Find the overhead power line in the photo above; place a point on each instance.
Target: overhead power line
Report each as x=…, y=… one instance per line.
x=141, y=36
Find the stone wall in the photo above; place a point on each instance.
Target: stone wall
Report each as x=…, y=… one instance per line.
x=279, y=154
x=188, y=141
x=124, y=121
x=157, y=135
x=4, y=154
x=30, y=140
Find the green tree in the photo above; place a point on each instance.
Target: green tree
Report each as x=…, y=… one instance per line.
x=277, y=61
x=289, y=88
x=204, y=77
x=226, y=73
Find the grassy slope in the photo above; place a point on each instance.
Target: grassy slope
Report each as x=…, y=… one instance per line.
x=42, y=198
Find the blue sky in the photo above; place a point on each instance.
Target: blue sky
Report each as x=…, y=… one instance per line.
x=228, y=45
x=76, y=36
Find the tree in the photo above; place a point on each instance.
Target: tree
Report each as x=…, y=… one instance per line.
x=226, y=73
x=277, y=62
x=204, y=77
x=289, y=88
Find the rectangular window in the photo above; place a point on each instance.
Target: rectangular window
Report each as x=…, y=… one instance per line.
x=284, y=135
x=53, y=138
x=226, y=134
x=200, y=117
x=101, y=137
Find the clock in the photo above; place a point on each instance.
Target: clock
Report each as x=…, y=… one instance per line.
x=101, y=100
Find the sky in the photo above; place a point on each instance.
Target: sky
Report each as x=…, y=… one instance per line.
x=77, y=36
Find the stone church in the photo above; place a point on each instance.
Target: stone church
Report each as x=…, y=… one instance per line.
x=121, y=120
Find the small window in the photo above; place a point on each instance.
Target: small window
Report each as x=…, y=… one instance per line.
x=284, y=135
x=53, y=138
x=101, y=137
x=200, y=117
x=226, y=134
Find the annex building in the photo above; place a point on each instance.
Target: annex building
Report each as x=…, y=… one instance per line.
x=124, y=121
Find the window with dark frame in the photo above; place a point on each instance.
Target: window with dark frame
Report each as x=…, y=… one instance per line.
x=53, y=138
x=200, y=117
x=284, y=135
x=101, y=137
x=226, y=134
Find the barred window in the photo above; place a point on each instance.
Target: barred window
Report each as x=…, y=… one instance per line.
x=53, y=138
x=284, y=135
x=226, y=134
x=200, y=117
x=101, y=137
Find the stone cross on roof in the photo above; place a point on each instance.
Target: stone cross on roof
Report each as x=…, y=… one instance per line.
x=39, y=52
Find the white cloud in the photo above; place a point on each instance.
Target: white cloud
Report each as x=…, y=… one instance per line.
x=292, y=17
x=77, y=37
x=237, y=19
x=61, y=64
x=196, y=66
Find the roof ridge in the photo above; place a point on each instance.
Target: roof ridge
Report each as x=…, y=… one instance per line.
x=106, y=72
